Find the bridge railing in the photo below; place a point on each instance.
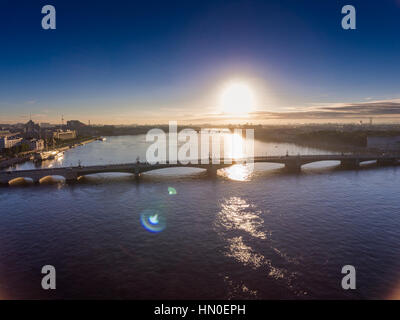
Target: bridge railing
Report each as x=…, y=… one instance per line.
x=201, y=161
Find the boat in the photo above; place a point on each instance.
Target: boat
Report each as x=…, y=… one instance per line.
x=59, y=155
x=46, y=155
x=101, y=139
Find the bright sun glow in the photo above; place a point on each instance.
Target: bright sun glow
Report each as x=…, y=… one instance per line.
x=237, y=98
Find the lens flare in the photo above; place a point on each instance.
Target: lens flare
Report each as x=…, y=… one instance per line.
x=171, y=190
x=152, y=220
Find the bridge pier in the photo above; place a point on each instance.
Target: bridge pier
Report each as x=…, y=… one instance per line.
x=36, y=180
x=71, y=177
x=293, y=166
x=137, y=173
x=212, y=171
x=350, y=163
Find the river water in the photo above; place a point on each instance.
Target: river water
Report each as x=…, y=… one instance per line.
x=265, y=234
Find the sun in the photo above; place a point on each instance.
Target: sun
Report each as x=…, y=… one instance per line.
x=237, y=98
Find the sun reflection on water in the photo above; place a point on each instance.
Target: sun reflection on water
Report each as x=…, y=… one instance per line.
x=243, y=253
x=238, y=172
x=235, y=223
x=237, y=214
x=238, y=288
x=235, y=148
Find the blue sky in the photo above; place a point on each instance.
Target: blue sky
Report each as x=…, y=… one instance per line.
x=154, y=61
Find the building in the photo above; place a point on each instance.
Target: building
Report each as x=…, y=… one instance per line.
x=9, y=140
x=78, y=126
x=75, y=124
x=32, y=130
x=35, y=144
x=47, y=134
x=384, y=143
x=64, y=134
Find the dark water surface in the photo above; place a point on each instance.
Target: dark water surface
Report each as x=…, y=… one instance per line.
x=262, y=235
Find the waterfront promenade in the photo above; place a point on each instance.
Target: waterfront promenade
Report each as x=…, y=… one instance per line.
x=26, y=156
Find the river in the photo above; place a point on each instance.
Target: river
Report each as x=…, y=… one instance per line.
x=265, y=234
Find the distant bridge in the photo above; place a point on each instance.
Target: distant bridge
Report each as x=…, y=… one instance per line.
x=292, y=163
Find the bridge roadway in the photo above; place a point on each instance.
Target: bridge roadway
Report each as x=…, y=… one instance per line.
x=292, y=163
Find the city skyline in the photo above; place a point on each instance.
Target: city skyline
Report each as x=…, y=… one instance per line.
x=150, y=63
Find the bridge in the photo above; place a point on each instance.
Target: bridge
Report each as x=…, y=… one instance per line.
x=292, y=164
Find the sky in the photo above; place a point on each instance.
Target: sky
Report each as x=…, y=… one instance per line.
x=127, y=62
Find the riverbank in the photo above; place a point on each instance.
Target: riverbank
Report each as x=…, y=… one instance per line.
x=13, y=161
x=74, y=144
x=333, y=140
x=69, y=144
x=21, y=158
